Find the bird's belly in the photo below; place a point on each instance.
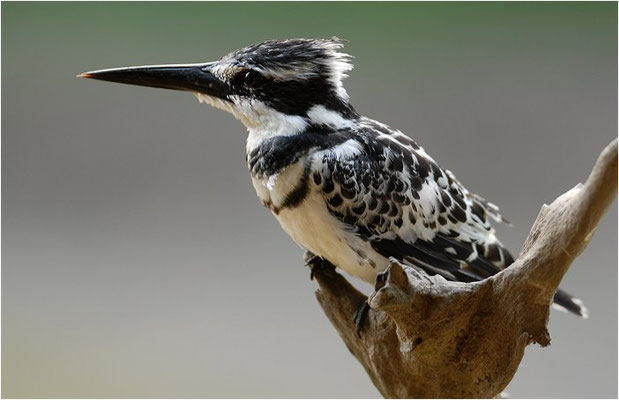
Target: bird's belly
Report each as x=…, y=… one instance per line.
x=312, y=227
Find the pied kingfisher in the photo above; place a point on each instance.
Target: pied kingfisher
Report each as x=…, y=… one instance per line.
x=351, y=190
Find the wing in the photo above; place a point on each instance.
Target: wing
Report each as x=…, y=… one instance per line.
x=387, y=189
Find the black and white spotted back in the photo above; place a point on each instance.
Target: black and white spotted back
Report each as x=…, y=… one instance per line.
x=387, y=189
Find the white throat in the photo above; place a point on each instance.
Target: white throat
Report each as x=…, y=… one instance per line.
x=263, y=122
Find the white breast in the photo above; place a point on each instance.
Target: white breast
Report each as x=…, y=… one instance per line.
x=272, y=190
x=312, y=227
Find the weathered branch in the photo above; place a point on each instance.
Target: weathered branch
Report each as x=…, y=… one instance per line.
x=427, y=337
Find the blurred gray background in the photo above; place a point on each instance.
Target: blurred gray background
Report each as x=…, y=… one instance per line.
x=137, y=260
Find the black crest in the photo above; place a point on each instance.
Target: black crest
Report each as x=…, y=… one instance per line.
x=292, y=75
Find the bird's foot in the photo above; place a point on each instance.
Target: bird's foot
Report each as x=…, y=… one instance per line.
x=317, y=264
x=320, y=266
x=361, y=316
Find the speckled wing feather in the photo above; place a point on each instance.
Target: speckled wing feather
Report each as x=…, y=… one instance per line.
x=389, y=191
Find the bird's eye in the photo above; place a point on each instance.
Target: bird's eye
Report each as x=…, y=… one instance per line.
x=253, y=79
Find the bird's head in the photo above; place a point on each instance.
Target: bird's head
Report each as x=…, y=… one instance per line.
x=273, y=85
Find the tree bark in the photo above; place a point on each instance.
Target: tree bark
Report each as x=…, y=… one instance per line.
x=431, y=338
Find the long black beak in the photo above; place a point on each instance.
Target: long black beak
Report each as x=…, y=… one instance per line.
x=188, y=77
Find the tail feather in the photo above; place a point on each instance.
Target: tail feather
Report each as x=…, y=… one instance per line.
x=566, y=302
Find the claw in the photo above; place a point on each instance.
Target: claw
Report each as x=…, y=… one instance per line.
x=361, y=316
x=314, y=262
x=317, y=264
x=312, y=273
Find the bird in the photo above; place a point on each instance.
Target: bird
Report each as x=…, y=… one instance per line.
x=349, y=189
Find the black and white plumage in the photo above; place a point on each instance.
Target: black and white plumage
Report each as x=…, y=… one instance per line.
x=349, y=189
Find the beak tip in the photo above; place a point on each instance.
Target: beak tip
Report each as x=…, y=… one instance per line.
x=84, y=75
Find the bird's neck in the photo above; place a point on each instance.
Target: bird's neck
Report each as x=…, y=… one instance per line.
x=266, y=124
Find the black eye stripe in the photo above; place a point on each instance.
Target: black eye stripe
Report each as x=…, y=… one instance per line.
x=292, y=97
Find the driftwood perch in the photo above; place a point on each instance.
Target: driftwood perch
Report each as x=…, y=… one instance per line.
x=428, y=337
